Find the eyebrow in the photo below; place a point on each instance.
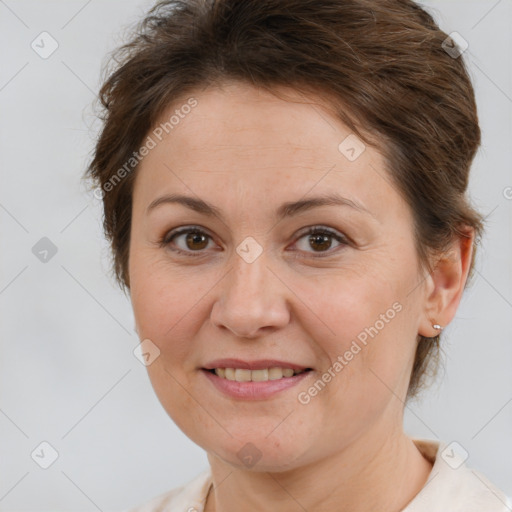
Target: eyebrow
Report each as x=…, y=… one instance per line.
x=285, y=210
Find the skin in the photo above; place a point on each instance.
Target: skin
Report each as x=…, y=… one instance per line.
x=246, y=151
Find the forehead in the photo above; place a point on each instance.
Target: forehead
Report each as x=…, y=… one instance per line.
x=243, y=141
x=248, y=119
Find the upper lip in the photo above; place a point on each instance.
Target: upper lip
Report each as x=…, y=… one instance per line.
x=260, y=364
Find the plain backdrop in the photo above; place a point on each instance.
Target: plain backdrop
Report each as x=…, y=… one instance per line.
x=68, y=375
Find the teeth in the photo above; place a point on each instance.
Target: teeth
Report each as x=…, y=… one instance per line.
x=259, y=375
x=243, y=375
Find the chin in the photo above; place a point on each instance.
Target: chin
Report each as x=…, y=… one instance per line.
x=257, y=451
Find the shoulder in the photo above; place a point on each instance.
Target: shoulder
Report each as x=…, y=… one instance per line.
x=453, y=486
x=186, y=498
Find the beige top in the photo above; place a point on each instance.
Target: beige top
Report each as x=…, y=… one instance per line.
x=451, y=487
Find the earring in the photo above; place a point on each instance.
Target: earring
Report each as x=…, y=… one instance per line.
x=437, y=327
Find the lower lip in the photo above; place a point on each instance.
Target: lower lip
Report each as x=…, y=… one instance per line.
x=254, y=390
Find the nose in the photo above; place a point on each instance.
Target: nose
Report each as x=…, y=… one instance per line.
x=251, y=300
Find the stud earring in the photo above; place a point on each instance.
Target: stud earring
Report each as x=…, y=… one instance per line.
x=437, y=327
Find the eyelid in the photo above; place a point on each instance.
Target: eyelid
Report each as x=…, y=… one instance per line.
x=321, y=229
x=167, y=238
x=341, y=238
x=181, y=230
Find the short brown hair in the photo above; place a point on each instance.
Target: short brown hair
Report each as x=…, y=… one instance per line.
x=380, y=62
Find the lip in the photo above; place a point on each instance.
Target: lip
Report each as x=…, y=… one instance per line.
x=260, y=364
x=253, y=390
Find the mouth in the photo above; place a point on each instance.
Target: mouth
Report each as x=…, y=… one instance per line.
x=257, y=380
x=261, y=375
x=254, y=371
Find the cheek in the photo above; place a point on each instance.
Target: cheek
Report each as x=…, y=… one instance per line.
x=342, y=305
x=161, y=314
x=166, y=306
x=154, y=298
x=363, y=321
x=169, y=306
x=363, y=360
x=153, y=285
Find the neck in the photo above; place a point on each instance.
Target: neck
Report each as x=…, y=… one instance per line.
x=375, y=472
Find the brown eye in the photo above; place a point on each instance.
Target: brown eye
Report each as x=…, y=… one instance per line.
x=320, y=240
x=196, y=241
x=187, y=241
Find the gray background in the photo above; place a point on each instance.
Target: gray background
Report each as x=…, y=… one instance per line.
x=67, y=372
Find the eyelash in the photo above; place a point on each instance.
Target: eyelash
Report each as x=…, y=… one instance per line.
x=166, y=240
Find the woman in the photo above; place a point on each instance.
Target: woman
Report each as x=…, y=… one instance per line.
x=284, y=186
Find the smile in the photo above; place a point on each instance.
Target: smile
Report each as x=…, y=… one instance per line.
x=271, y=381
x=265, y=374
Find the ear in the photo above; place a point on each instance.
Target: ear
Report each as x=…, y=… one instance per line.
x=445, y=284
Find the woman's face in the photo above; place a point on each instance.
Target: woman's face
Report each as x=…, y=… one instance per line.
x=252, y=285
